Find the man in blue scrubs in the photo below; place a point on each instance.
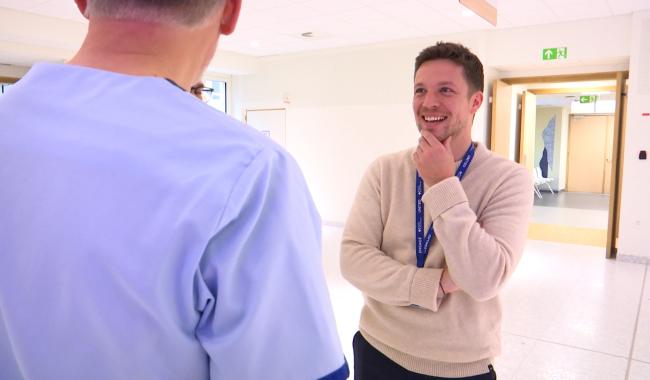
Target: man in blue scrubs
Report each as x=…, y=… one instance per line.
x=144, y=235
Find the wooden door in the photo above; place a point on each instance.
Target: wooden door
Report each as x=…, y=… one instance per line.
x=609, y=144
x=586, y=162
x=527, y=133
x=500, y=131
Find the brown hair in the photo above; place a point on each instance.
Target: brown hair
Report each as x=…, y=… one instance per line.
x=460, y=55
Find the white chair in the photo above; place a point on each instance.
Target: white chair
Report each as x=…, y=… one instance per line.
x=539, y=181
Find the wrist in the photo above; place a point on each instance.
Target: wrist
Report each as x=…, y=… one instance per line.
x=447, y=285
x=440, y=283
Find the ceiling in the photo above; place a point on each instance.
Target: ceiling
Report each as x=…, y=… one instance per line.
x=271, y=27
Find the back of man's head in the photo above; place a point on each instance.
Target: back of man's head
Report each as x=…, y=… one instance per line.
x=183, y=12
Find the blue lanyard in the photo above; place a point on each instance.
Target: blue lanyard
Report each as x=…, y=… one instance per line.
x=422, y=244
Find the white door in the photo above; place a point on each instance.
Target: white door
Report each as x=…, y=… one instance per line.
x=271, y=122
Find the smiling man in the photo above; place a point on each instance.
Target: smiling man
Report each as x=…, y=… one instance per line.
x=433, y=234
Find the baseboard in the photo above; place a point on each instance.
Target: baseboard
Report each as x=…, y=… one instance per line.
x=633, y=259
x=567, y=234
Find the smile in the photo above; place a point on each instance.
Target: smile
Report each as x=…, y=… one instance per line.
x=434, y=118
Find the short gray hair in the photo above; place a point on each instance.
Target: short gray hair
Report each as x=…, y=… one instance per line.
x=184, y=12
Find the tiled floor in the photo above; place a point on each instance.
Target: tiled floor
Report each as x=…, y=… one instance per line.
x=589, y=201
x=568, y=314
x=584, y=210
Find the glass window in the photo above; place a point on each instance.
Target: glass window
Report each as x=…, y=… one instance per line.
x=218, y=97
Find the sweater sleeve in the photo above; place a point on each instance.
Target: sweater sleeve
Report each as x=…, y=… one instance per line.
x=481, y=253
x=376, y=273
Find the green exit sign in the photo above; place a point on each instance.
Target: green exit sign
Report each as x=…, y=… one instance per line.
x=551, y=54
x=587, y=99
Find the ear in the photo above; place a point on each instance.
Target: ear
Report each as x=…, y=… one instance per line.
x=82, y=5
x=229, y=16
x=475, y=101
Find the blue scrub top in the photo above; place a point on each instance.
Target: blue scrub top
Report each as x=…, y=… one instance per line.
x=144, y=235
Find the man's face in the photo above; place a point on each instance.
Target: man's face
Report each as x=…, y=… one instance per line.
x=441, y=100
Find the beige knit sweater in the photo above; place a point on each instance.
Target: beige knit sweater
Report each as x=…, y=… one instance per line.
x=480, y=227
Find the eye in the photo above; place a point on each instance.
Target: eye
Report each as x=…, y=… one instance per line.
x=419, y=90
x=446, y=90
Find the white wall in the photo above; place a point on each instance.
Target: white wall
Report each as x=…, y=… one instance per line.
x=348, y=106
x=57, y=39
x=27, y=38
x=593, y=45
x=635, y=205
x=228, y=63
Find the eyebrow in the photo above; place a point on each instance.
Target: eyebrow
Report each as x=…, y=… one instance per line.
x=443, y=83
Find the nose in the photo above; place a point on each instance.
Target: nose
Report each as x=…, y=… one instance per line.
x=431, y=100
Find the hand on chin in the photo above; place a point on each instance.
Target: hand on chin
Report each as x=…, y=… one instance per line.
x=433, y=158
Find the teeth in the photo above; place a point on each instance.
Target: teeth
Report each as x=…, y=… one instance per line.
x=434, y=118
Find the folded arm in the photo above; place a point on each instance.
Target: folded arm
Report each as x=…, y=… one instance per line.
x=371, y=270
x=481, y=253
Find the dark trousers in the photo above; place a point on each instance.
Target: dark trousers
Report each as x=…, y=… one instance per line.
x=370, y=364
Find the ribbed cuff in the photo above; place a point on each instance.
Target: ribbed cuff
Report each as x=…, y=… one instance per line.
x=443, y=195
x=425, y=288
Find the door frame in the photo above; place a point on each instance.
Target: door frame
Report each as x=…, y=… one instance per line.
x=617, y=164
x=8, y=80
x=618, y=139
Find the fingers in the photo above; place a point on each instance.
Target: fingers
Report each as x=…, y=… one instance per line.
x=416, y=157
x=428, y=137
x=447, y=144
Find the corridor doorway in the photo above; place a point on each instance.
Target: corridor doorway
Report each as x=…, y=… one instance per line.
x=519, y=105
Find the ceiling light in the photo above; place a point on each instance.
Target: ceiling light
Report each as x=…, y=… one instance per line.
x=482, y=8
x=467, y=13
x=254, y=44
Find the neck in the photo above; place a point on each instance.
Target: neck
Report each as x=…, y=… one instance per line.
x=147, y=49
x=459, y=146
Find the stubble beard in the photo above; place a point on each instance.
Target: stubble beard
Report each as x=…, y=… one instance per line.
x=442, y=134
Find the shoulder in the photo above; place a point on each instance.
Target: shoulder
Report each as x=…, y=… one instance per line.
x=393, y=163
x=217, y=137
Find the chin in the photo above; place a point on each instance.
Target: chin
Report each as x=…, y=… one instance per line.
x=440, y=135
